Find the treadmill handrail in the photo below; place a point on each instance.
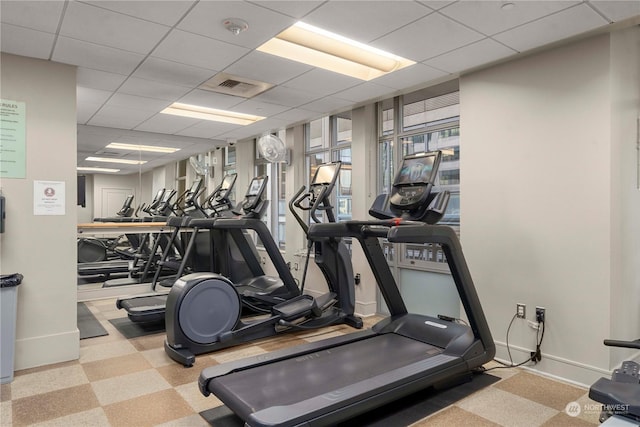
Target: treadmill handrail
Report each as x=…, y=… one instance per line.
x=447, y=238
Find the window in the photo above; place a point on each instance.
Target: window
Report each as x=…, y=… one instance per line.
x=230, y=167
x=421, y=121
x=276, y=194
x=329, y=139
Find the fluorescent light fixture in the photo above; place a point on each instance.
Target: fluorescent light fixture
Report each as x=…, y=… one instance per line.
x=110, y=160
x=136, y=147
x=89, y=169
x=320, y=48
x=204, y=113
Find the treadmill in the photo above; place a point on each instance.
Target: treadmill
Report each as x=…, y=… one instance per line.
x=325, y=382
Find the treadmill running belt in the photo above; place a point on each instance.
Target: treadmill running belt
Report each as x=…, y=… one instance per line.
x=291, y=381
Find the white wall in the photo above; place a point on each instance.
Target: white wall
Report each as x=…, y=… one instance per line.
x=539, y=173
x=106, y=182
x=43, y=248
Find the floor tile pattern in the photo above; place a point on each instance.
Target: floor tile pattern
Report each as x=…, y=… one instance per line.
x=120, y=382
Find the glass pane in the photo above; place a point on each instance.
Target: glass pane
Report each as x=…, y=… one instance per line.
x=343, y=129
x=386, y=117
x=282, y=204
x=446, y=138
x=313, y=161
x=343, y=185
x=386, y=166
x=414, y=144
x=230, y=156
x=416, y=113
x=317, y=137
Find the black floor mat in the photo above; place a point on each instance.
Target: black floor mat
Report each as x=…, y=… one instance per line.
x=405, y=411
x=88, y=325
x=134, y=330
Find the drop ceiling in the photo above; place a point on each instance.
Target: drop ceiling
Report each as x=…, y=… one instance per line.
x=135, y=58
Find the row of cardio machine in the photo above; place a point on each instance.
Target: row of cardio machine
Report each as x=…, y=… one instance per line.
x=326, y=382
x=205, y=311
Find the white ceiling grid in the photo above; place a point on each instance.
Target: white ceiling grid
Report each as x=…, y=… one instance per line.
x=135, y=58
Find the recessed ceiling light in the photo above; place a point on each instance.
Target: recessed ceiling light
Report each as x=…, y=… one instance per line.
x=90, y=169
x=324, y=49
x=110, y=160
x=204, y=113
x=136, y=147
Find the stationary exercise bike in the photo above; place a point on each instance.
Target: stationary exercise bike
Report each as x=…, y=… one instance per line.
x=620, y=395
x=204, y=309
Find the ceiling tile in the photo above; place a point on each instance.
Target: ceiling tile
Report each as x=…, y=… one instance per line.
x=322, y=82
x=427, y=37
x=354, y=19
x=198, y=51
x=137, y=102
x=489, y=18
x=470, y=56
x=417, y=74
x=364, y=92
x=206, y=19
x=83, y=54
x=296, y=115
x=617, y=10
x=92, y=96
x=295, y=9
x=563, y=24
x=84, y=111
x=106, y=28
x=327, y=105
x=267, y=68
x=206, y=129
x=153, y=89
x=37, y=15
x=258, y=108
x=172, y=72
x=26, y=42
x=161, y=12
x=119, y=117
x=436, y=4
x=205, y=98
x=95, y=79
x=285, y=96
x=165, y=123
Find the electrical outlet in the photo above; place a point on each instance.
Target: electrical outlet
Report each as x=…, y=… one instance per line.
x=521, y=311
x=540, y=314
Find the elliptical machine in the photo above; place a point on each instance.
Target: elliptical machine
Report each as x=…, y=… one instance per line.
x=204, y=310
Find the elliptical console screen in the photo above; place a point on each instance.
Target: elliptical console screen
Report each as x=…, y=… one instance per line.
x=227, y=182
x=255, y=187
x=416, y=170
x=193, y=191
x=326, y=174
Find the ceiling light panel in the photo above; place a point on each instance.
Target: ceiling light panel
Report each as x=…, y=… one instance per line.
x=122, y=161
x=90, y=169
x=320, y=48
x=136, y=147
x=204, y=113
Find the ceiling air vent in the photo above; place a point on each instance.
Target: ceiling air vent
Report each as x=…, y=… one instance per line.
x=234, y=85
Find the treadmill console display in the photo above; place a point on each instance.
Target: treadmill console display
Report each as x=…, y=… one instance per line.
x=126, y=210
x=193, y=191
x=414, y=181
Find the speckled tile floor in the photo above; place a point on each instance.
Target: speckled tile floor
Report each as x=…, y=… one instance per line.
x=121, y=382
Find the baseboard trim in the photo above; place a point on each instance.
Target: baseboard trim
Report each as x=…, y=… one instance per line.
x=47, y=349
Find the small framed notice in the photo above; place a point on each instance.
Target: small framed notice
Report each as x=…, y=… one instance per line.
x=48, y=197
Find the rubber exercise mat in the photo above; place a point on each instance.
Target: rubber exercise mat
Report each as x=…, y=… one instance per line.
x=131, y=329
x=88, y=325
x=402, y=412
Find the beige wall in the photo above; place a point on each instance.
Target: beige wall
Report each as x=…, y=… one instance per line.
x=43, y=248
x=542, y=212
